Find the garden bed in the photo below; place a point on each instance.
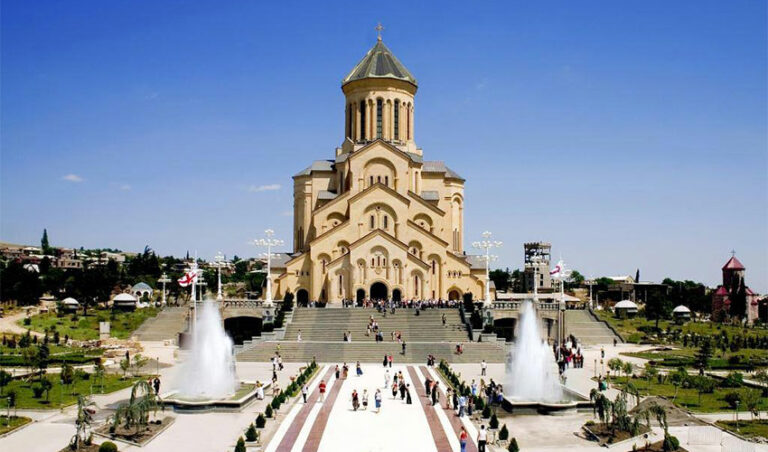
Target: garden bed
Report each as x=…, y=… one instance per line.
x=15, y=422
x=605, y=435
x=757, y=428
x=59, y=396
x=130, y=435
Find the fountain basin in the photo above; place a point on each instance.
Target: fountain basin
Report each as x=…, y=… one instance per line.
x=243, y=396
x=573, y=403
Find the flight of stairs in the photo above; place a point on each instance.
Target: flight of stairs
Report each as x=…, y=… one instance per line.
x=587, y=329
x=165, y=326
x=322, y=332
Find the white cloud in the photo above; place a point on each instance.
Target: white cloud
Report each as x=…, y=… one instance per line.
x=270, y=187
x=72, y=178
x=286, y=213
x=125, y=187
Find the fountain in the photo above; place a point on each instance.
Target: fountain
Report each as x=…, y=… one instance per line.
x=207, y=380
x=532, y=381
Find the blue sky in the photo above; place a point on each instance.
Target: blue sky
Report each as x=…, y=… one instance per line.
x=628, y=134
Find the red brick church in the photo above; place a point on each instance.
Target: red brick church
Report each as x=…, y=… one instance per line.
x=729, y=291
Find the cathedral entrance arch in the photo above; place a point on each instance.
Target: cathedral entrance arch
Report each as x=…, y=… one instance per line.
x=302, y=297
x=454, y=295
x=379, y=291
x=397, y=295
x=360, y=296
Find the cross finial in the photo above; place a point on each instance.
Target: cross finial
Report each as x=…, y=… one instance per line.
x=379, y=29
x=733, y=253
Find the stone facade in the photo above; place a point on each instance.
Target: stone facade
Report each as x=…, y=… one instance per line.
x=378, y=221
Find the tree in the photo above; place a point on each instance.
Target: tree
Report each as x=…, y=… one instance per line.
x=657, y=306
x=83, y=421
x=135, y=412
x=575, y=279
x=138, y=363
x=501, y=278
x=240, y=446
x=649, y=373
x=738, y=297
x=628, y=368
x=20, y=285
x=678, y=378
x=703, y=355
x=615, y=364
x=5, y=379
x=44, y=245
x=41, y=359
x=751, y=401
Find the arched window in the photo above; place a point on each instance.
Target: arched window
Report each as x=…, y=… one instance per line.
x=408, y=122
x=373, y=262
x=324, y=263
x=416, y=285
x=378, y=260
x=341, y=285
x=384, y=261
x=433, y=267
x=378, y=179
x=350, y=112
x=379, y=117
x=397, y=119
x=386, y=222
x=362, y=120
x=373, y=222
x=386, y=181
x=371, y=180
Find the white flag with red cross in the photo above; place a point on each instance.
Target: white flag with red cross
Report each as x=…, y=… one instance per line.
x=188, y=278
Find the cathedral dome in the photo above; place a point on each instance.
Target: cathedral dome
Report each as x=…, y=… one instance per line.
x=379, y=62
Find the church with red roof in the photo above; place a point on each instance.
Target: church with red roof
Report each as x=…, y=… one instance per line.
x=733, y=288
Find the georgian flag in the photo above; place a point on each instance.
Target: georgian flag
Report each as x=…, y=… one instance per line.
x=188, y=278
x=558, y=270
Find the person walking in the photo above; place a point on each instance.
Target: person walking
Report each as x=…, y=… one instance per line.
x=338, y=371
x=482, y=439
x=365, y=400
x=444, y=319
x=359, y=369
x=463, y=439
x=355, y=400
x=390, y=361
x=435, y=395
x=298, y=336
x=386, y=378
x=386, y=360
x=462, y=405
x=483, y=368
x=321, y=388
x=394, y=390
x=403, y=347
x=428, y=385
x=377, y=399
x=408, y=400
x=156, y=385
x=402, y=389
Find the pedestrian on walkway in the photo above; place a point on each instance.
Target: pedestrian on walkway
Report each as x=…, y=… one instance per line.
x=355, y=400
x=344, y=371
x=322, y=390
x=402, y=389
x=359, y=369
x=428, y=385
x=390, y=360
x=365, y=400
x=448, y=398
x=408, y=400
x=386, y=378
x=482, y=439
x=377, y=398
x=463, y=439
x=394, y=390
x=338, y=371
x=483, y=368
x=156, y=384
x=298, y=336
x=462, y=405
x=435, y=395
x=444, y=319
x=386, y=360
x=403, y=347
x=304, y=392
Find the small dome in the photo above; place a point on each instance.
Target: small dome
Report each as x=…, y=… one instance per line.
x=124, y=297
x=142, y=286
x=625, y=304
x=70, y=302
x=379, y=62
x=681, y=308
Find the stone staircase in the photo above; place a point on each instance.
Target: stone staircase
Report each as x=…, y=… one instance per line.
x=370, y=352
x=322, y=332
x=329, y=325
x=587, y=329
x=165, y=326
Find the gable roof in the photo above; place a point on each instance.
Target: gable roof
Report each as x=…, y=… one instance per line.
x=437, y=166
x=379, y=62
x=317, y=165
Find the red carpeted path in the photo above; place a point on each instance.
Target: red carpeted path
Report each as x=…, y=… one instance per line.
x=289, y=439
x=316, y=433
x=451, y=415
x=441, y=441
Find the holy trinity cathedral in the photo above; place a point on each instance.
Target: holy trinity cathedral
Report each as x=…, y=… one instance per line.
x=378, y=221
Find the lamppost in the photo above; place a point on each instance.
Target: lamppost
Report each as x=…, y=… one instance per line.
x=219, y=261
x=590, y=282
x=269, y=242
x=164, y=279
x=487, y=244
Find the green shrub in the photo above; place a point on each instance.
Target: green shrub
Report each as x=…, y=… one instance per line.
x=261, y=421
x=251, y=434
x=268, y=411
x=27, y=321
x=494, y=423
x=486, y=412
x=513, y=447
x=670, y=443
x=733, y=398
x=108, y=446
x=240, y=447
x=733, y=380
x=275, y=403
x=504, y=433
x=37, y=390
x=479, y=404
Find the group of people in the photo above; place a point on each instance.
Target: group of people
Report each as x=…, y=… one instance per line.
x=383, y=305
x=568, y=354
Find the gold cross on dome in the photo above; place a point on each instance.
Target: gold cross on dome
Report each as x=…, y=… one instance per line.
x=379, y=29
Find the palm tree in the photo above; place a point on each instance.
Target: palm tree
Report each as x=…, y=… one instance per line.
x=136, y=411
x=85, y=412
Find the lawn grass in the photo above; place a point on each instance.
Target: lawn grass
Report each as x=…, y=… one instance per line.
x=60, y=396
x=122, y=325
x=684, y=356
x=686, y=398
x=747, y=428
x=8, y=424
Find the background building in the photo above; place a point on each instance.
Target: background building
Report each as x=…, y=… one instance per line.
x=540, y=269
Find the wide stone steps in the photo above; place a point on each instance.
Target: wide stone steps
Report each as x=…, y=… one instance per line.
x=587, y=329
x=165, y=326
x=370, y=352
x=330, y=324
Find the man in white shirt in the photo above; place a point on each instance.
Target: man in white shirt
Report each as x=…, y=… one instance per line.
x=483, y=367
x=482, y=438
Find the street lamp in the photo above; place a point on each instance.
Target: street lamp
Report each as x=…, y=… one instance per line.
x=268, y=242
x=487, y=244
x=219, y=261
x=164, y=279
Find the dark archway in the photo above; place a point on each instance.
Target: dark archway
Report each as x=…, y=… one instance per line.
x=397, y=295
x=454, y=295
x=302, y=298
x=505, y=328
x=242, y=328
x=360, y=296
x=379, y=291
